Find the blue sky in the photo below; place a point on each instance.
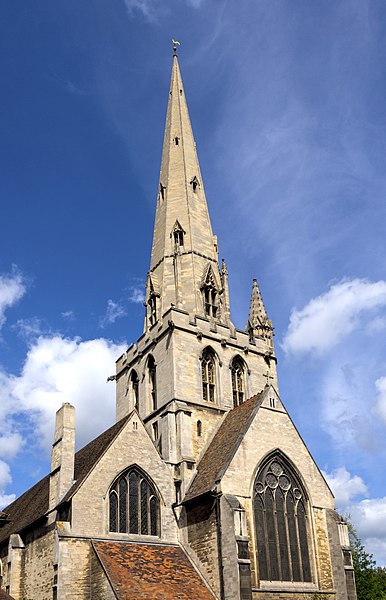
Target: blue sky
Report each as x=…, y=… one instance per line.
x=287, y=101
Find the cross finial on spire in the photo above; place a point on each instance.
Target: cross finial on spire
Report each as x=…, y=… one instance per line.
x=175, y=44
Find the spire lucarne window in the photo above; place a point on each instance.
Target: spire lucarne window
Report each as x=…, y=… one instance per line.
x=134, y=504
x=280, y=510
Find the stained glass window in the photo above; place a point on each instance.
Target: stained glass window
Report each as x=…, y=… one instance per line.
x=134, y=504
x=280, y=510
x=113, y=511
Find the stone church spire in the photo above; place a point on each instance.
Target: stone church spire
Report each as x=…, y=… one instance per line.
x=184, y=270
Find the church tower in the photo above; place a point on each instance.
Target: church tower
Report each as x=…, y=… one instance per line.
x=191, y=365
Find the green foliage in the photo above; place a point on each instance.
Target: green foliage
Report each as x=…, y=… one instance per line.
x=370, y=580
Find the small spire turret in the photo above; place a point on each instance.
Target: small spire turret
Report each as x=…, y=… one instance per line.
x=258, y=323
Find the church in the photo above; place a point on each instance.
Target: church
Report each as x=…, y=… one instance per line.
x=203, y=488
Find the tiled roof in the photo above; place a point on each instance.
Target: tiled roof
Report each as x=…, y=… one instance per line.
x=223, y=446
x=33, y=504
x=150, y=572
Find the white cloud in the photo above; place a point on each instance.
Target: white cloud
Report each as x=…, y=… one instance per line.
x=380, y=385
x=10, y=444
x=12, y=288
x=344, y=486
x=369, y=520
x=137, y=295
x=114, y=311
x=368, y=515
x=5, y=479
x=58, y=370
x=328, y=318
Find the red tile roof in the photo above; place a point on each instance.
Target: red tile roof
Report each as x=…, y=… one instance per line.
x=150, y=572
x=223, y=446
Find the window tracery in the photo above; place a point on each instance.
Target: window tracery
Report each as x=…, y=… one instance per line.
x=134, y=504
x=208, y=374
x=238, y=379
x=280, y=510
x=210, y=296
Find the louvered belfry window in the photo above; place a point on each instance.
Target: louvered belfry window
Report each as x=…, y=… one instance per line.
x=134, y=504
x=280, y=509
x=208, y=374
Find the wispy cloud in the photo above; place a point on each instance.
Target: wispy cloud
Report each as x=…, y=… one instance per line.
x=149, y=8
x=68, y=315
x=114, y=311
x=137, y=295
x=12, y=289
x=28, y=328
x=330, y=317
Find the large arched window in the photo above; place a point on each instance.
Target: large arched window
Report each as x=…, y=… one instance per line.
x=151, y=366
x=208, y=374
x=280, y=509
x=238, y=381
x=134, y=504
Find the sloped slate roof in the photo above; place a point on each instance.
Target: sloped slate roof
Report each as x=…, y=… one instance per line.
x=33, y=504
x=223, y=446
x=150, y=572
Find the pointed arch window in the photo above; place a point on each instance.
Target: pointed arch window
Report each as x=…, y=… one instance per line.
x=134, y=386
x=208, y=374
x=152, y=370
x=238, y=381
x=134, y=504
x=281, y=522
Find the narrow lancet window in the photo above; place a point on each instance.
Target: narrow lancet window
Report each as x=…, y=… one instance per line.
x=238, y=378
x=280, y=511
x=134, y=504
x=134, y=386
x=208, y=373
x=152, y=304
x=152, y=369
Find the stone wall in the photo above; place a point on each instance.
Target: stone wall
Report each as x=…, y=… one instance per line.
x=201, y=535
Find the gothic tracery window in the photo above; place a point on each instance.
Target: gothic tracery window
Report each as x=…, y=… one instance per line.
x=280, y=510
x=134, y=504
x=208, y=374
x=238, y=378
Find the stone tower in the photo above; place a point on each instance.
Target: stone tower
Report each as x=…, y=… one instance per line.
x=191, y=365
